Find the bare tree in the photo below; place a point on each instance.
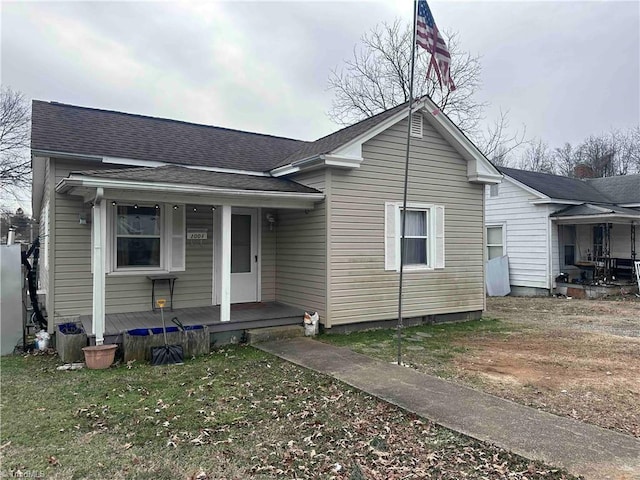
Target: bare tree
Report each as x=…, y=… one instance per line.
x=605, y=155
x=377, y=78
x=15, y=119
x=537, y=158
x=564, y=160
x=498, y=142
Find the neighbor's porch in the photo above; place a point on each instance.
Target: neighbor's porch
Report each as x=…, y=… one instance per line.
x=243, y=317
x=598, y=247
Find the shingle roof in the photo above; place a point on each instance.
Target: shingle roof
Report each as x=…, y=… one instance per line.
x=190, y=176
x=556, y=186
x=329, y=143
x=587, y=209
x=88, y=131
x=622, y=189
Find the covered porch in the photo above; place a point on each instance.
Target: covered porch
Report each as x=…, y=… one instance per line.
x=596, y=245
x=209, y=230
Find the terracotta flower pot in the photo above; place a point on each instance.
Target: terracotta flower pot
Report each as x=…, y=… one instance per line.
x=98, y=357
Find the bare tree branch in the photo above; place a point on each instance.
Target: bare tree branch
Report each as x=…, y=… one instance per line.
x=15, y=121
x=377, y=78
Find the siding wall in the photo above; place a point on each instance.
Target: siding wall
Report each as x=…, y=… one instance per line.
x=360, y=288
x=73, y=277
x=301, y=252
x=526, y=237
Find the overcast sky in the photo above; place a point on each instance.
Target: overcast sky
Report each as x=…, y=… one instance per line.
x=564, y=69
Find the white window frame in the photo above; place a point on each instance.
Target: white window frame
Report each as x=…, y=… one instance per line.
x=114, y=241
x=434, y=237
x=503, y=226
x=427, y=238
x=172, y=243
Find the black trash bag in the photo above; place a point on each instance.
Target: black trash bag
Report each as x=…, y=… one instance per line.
x=167, y=355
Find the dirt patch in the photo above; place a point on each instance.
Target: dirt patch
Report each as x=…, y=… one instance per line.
x=579, y=358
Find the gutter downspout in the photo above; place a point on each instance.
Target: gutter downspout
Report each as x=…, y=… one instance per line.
x=98, y=322
x=550, y=224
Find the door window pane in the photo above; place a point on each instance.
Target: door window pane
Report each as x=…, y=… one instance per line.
x=495, y=252
x=495, y=248
x=241, y=244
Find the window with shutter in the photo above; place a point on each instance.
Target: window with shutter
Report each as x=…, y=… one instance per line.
x=144, y=238
x=424, y=236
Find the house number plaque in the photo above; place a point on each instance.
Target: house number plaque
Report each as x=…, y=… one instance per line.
x=196, y=234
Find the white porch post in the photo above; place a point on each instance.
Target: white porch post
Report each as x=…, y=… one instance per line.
x=99, y=240
x=225, y=266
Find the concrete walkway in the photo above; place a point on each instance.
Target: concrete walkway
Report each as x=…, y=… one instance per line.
x=582, y=449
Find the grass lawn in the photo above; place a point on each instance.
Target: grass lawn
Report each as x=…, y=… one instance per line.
x=428, y=347
x=237, y=413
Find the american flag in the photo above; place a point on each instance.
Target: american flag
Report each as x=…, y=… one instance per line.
x=429, y=38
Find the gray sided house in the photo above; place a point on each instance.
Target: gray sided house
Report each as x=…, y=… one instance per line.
x=252, y=230
x=550, y=225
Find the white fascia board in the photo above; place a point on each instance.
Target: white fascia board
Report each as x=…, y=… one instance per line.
x=151, y=163
x=479, y=168
x=73, y=181
x=630, y=205
x=527, y=188
x=37, y=186
x=141, y=163
x=596, y=218
x=318, y=161
x=559, y=201
x=284, y=170
x=342, y=161
x=72, y=156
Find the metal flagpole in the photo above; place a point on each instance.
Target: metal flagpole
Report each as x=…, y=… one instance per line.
x=406, y=183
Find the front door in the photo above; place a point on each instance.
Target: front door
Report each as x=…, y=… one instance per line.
x=244, y=255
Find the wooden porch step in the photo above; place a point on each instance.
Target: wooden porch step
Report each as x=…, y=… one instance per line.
x=258, y=335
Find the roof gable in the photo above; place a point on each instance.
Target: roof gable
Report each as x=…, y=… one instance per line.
x=333, y=141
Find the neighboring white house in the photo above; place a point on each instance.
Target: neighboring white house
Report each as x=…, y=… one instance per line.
x=549, y=224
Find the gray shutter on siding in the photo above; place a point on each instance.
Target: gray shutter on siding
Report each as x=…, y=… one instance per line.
x=390, y=238
x=176, y=224
x=439, y=231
